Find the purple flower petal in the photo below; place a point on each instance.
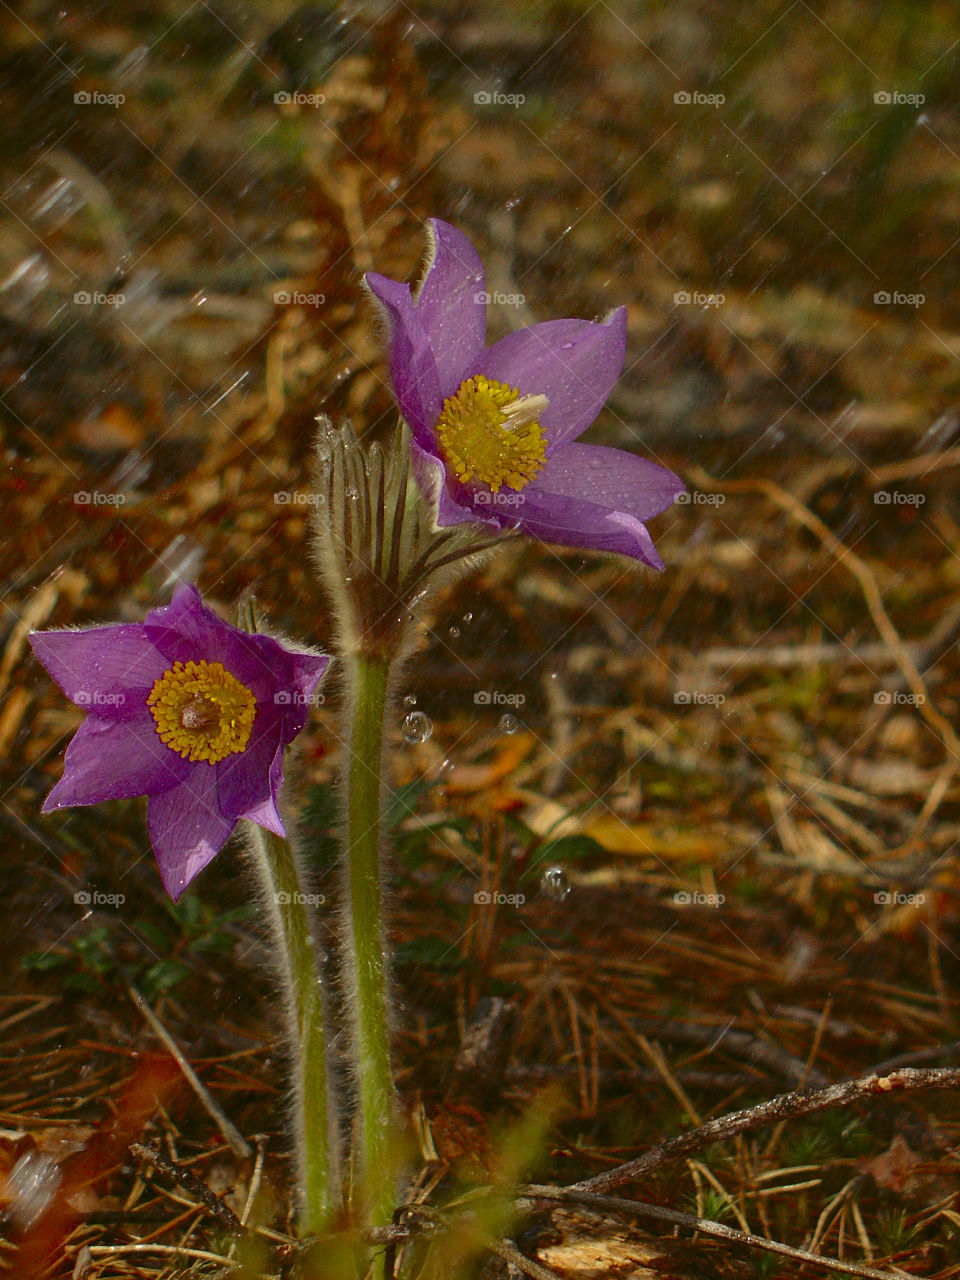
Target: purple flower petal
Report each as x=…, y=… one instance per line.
x=187, y=828
x=431, y=477
x=244, y=781
x=266, y=813
x=112, y=760
x=574, y=363
x=451, y=304
x=589, y=496
x=413, y=369
x=93, y=665
x=188, y=630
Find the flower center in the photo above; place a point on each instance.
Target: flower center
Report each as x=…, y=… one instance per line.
x=489, y=432
x=202, y=711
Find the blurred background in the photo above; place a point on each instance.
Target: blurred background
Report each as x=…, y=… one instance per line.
x=744, y=768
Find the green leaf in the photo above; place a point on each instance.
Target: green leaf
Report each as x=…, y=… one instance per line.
x=43, y=961
x=163, y=976
x=565, y=849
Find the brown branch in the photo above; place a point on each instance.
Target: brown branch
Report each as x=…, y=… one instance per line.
x=190, y=1183
x=508, y=1250
x=784, y=1107
x=634, y=1208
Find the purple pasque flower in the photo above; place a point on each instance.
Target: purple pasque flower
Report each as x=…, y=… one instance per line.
x=495, y=429
x=187, y=710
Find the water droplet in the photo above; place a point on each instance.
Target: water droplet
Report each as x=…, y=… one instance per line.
x=565, y=346
x=467, y=618
x=410, y=700
x=59, y=202
x=454, y=633
x=554, y=884
x=417, y=727
x=508, y=724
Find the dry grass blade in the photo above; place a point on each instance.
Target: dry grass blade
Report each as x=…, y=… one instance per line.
x=717, y=1230
x=226, y=1126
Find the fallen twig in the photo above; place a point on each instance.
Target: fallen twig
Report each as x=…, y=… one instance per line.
x=784, y=1107
x=634, y=1208
x=189, y=1181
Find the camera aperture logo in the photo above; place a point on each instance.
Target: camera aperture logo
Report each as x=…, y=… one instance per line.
x=886, y=898
x=283, y=899
x=883, y=298
x=898, y=498
x=291, y=498
x=495, y=698
x=97, y=698
x=896, y=98
x=693, y=497
x=85, y=498
x=500, y=299
x=494, y=98
x=898, y=698
x=296, y=98
x=294, y=298
x=697, y=698
x=96, y=98
x=688, y=98
x=696, y=298
x=94, y=898
x=96, y=298
x=502, y=498
x=484, y=898
x=694, y=898
x=294, y=698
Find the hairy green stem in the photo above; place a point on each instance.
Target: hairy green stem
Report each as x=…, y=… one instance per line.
x=296, y=955
x=365, y=959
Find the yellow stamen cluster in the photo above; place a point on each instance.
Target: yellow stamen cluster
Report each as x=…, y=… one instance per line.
x=201, y=711
x=488, y=433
